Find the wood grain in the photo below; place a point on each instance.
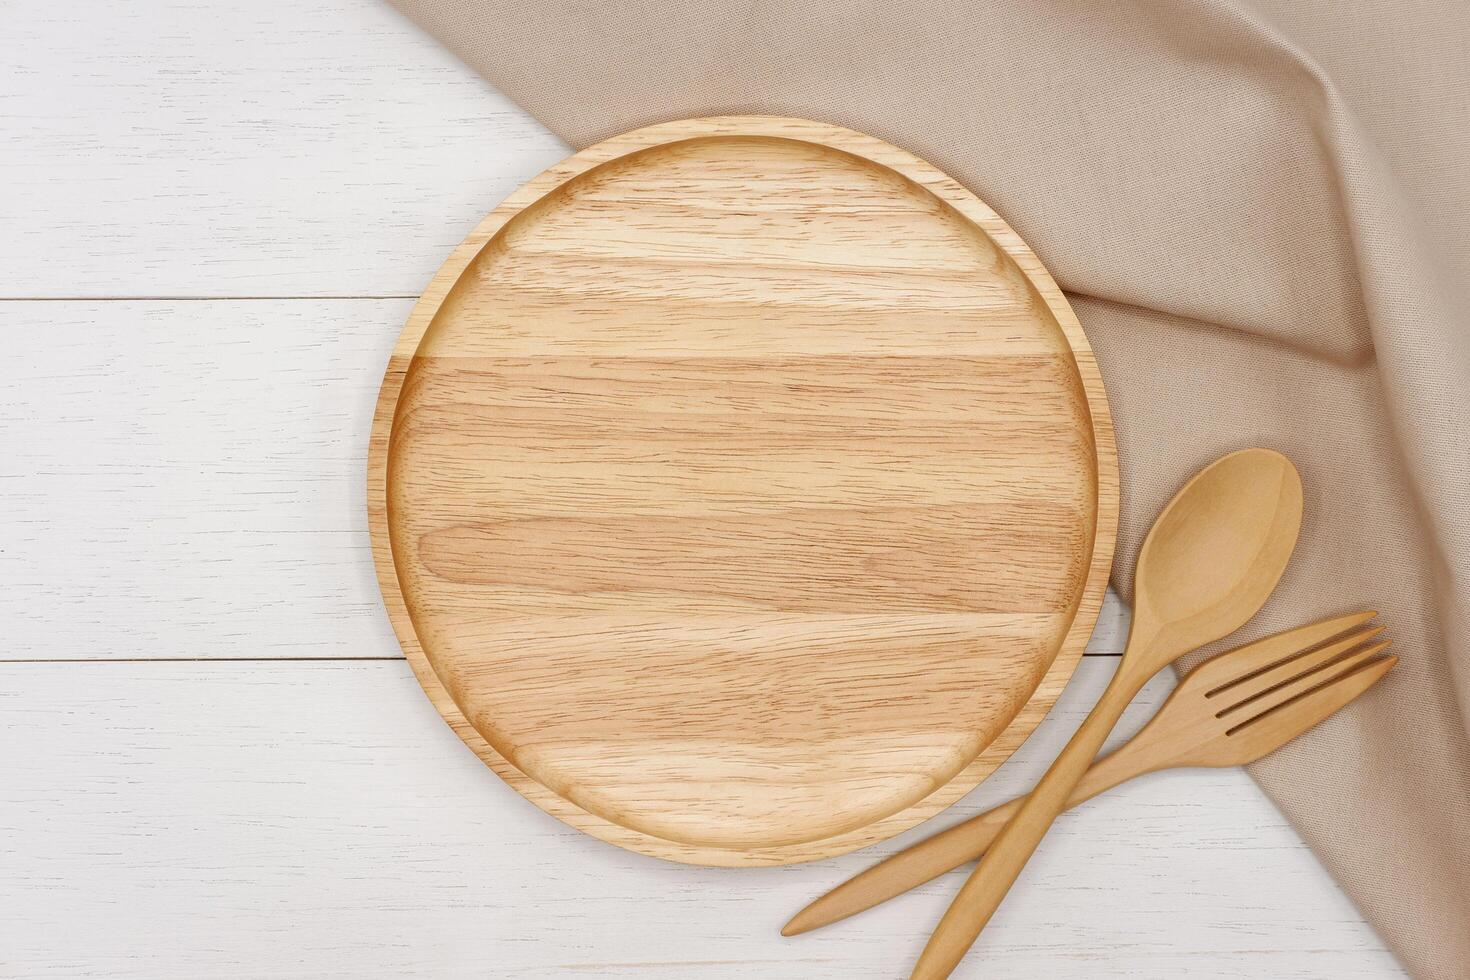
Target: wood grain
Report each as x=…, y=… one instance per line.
x=140, y=453
x=280, y=152
x=741, y=482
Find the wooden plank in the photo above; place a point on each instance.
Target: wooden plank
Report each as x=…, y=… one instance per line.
x=186, y=479
x=196, y=148
x=291, y=820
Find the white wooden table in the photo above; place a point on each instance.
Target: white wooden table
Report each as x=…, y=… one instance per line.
x=213, y=759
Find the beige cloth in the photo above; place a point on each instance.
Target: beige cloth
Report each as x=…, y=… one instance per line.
x=1261, y=210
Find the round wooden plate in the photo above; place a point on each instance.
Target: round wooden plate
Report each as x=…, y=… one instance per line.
x=743, y=490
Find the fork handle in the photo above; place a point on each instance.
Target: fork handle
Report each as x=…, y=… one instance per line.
x=992, y=878
x=949, y=849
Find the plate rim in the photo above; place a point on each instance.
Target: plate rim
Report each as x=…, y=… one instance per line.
x=1105, y=516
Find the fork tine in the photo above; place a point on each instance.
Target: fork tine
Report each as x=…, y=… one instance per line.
x=1248, y=685
x=1303, y=683
x=1274, y=728
x=1241, y=661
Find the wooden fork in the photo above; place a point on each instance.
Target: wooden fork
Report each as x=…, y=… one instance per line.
x=1232, y=709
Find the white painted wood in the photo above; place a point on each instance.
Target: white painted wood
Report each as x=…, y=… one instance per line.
x=185, y=479
x=272, y=148
x=273, y=820
x=305, y=819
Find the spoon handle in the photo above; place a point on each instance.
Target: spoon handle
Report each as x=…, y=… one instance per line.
x=992, y=878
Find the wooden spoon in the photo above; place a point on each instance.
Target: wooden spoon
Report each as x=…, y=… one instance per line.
x=1208, y=564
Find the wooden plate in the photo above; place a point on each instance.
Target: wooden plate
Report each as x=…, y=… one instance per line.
x=743, y=490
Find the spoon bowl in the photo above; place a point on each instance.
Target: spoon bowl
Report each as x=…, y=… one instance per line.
x=1215, y=553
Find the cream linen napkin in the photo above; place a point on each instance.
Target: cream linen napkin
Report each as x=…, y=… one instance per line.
x=1261, y=210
